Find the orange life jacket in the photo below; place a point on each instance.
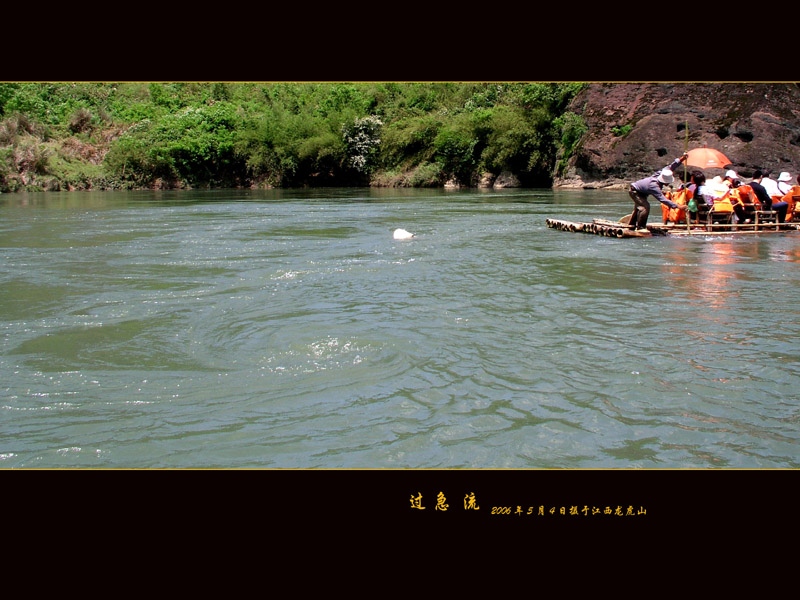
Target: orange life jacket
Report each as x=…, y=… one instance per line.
x=735, y=197
x=747, y=196
x=680, y=197
x=725, y=204
x=789, y=198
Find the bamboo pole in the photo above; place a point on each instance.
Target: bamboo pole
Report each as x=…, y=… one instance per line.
x=685, y=170
x=686, y=149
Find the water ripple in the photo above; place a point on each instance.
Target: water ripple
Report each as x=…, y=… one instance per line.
x=298, y=334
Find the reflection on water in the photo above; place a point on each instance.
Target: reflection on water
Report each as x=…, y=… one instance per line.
x=288, y=329
x=708, y=278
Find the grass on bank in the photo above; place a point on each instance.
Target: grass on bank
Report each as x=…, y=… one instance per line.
x=130, y=135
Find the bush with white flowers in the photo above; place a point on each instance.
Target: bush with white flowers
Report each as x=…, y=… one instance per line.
x=363, y=140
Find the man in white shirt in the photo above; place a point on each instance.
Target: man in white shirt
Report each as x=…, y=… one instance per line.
x=770, y=184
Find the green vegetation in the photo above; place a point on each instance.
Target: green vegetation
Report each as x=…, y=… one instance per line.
x=84, y=135
x=621, y=130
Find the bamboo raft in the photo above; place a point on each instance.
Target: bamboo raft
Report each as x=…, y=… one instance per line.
x=620, y=229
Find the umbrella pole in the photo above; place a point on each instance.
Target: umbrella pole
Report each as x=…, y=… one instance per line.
x=686, y=149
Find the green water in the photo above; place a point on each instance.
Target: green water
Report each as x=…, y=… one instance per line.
x=288, y=329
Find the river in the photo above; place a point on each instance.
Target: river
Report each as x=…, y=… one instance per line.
x=287, y=329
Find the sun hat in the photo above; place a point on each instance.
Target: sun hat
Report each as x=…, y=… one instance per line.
x=732, y=175
x=784, y=177
x=666, y=176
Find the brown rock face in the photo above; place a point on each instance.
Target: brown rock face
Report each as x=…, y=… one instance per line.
x=638, y=128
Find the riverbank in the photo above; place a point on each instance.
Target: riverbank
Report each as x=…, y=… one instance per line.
x=214, y=135
x=83, y=177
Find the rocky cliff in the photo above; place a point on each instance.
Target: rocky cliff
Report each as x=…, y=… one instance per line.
x=635, y=129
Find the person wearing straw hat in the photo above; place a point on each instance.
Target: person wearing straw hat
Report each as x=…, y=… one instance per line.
x=651, y=186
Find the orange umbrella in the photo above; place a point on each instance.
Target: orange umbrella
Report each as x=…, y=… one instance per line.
x=707, y=158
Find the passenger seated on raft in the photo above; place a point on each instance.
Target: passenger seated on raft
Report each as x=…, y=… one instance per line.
x=790, y=194
x=768, y=183
x=717, y=188
x=780, y=207
x=731, y=179
x=784, y=183
x=745, y=202
x=701, y=196
x=680, y=198
x=736, y=195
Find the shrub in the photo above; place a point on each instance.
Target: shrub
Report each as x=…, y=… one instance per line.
x=31, y=157
x=509, y=141
x=621, y=130
x=337, y=98
x=15, y=125
x=8, y=132
x=195, y=144
x=454, y=150
x=572, y=128
x=409, y=140
x=322, y=152
x=362, y=139
x=80, y=121
x=387, y=178
x=426, y=175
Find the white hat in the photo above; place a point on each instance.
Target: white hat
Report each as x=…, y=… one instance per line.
x=732, y=175
x=784, y=177
x=665, y=176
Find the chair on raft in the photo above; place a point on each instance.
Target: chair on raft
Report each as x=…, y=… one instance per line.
x=721, y=213
x=769, y=217
x=795, y=214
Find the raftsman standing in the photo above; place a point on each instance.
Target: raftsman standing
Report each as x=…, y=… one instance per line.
x=651, y=186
